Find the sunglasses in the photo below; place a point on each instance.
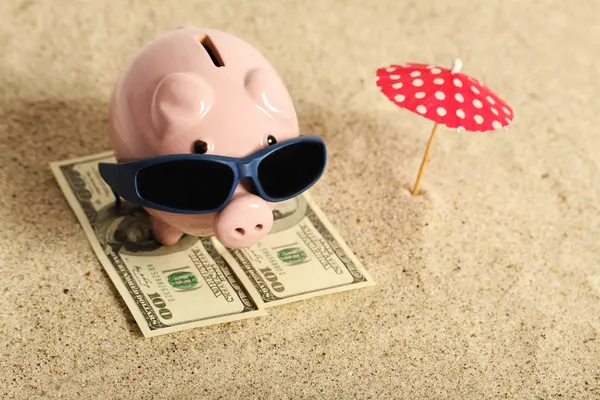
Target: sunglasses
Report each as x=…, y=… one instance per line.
x=205, y=183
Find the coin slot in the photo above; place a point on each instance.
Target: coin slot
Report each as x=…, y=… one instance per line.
x=212, y=51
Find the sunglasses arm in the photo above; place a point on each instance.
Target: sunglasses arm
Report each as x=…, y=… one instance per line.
x=117, y=200
x=110, y=174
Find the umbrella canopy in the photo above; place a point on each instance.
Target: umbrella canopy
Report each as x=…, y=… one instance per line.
x=444, y=96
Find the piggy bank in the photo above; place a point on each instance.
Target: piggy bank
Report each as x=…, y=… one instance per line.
x=206, y=138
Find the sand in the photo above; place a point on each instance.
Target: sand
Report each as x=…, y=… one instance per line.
x=488, y=284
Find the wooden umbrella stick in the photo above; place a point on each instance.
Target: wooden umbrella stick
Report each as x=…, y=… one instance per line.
x=425, y=157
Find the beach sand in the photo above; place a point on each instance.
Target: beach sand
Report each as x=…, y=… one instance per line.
x=488, y=283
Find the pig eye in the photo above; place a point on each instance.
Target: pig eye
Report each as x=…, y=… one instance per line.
x=200, y=147
x=271, y=140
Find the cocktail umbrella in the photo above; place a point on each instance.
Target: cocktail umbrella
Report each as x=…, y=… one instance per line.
x=444, y=96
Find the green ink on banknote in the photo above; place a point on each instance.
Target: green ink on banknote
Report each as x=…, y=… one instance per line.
x=183, y=280
x=292, y=256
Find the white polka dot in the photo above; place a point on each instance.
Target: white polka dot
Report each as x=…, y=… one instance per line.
x=418, y=82
x=397, y=85
x=496, y=125
x=490, y=100
x=399, y=98
x=441, y=111
x=477, y=103
x=435, y=70
x=459, y=97
x=377, y=79
x=494, y=110
x=440, y=95
x=506, y=110
x=460, y=129
x=457, y=82
x=390, y=69
x=438, y=81
x=394, y=77
x=507, y=120
x=475, y=90
x=478, y=119
x=420, y=95
x=422, y=109
x=460, y=113
x=414, y=74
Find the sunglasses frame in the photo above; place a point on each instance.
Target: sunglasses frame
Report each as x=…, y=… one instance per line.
x=122, y=177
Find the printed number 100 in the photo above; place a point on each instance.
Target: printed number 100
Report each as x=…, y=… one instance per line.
x=161, y=305
x=272, y=277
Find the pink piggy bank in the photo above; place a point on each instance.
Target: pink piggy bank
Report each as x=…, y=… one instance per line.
x=207, y=138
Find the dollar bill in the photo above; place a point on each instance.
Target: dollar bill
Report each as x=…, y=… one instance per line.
x=198, y=281
x=303, y=256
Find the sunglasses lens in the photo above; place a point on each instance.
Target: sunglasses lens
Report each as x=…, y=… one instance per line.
x=190, y=185
x=291, y=169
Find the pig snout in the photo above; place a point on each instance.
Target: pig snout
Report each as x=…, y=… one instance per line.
x=244, y=222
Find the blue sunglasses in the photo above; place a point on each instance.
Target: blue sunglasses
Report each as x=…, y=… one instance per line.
x=205, y=183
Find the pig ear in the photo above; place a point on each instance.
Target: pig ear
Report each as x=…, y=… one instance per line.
x=180, y=100
x=269, y=92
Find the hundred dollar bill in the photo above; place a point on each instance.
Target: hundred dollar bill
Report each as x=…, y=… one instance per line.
x=303, y=256
x=198, y=281
x=166, y=288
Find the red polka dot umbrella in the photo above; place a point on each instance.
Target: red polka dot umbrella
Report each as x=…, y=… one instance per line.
x=444, y=96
